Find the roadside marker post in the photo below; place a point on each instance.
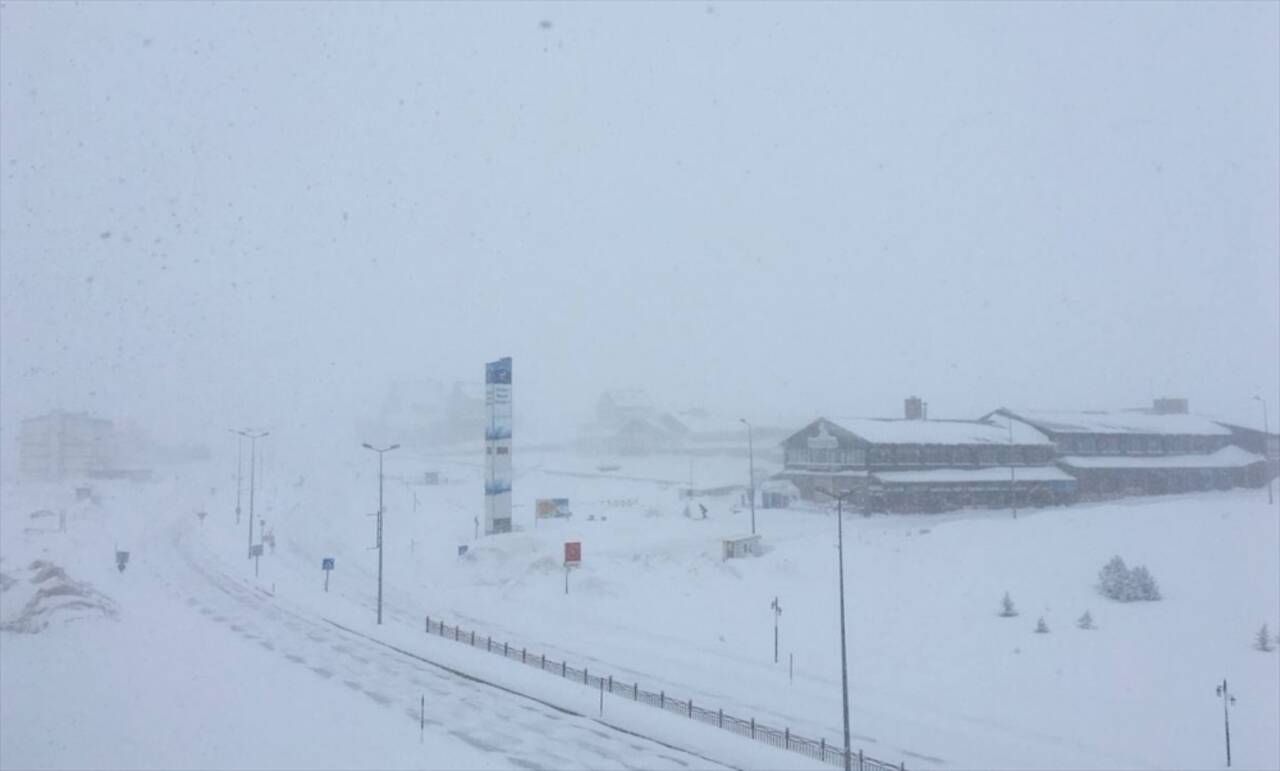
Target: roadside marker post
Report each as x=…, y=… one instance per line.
x=326, y=565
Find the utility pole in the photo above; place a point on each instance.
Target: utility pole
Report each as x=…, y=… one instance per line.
x=253, y=456
x=844, y=663
x=1266, y=447
x=751, y=460
x=1227, y=698
x=777, y=611
x=381, y=452
x=1013, y=494
x=239, y=466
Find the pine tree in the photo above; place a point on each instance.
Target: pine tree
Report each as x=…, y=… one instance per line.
x=1007, y=610
x=1113, y=579
x=1143, y=587
x=1041, y=626
x=1085, y=621
x=1263, y=640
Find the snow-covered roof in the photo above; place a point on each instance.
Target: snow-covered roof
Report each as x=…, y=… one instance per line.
x=1228, y=457
x=970, y=475
x=629, y=398
x=952, y=432
x=1120, y=422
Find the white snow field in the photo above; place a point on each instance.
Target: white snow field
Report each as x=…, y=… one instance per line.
x=202, y=665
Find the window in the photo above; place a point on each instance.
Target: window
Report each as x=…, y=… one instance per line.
x=1108, y=445
x=1085, y=445
x=1154, y=446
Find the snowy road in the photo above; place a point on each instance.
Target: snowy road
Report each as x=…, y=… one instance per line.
x=522, y=731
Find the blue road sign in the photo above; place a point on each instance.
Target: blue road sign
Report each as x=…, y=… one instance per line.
x=326, y=563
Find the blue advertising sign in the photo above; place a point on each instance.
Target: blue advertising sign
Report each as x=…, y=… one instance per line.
x=326, y=563
x=498, y=371
x=497, y=446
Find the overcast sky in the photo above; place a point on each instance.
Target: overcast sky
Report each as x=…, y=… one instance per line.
x=262, y=213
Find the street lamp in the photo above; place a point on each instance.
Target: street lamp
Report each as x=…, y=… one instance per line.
x=777, y=611
x=844, y=663
x=1013, y=492
x=368, y=446
x=253, y=464
x=1266, y=447
x=239, y=465
x=751, y=460
x=1227, y=699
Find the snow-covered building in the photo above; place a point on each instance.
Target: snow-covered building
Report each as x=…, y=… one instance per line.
x=429, y=412
x=1144, y=451
x=624, y=405
x=916, y=464
x=65, y=445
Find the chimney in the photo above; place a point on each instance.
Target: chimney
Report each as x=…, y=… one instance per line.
x=1170, y=405
x=913, y=408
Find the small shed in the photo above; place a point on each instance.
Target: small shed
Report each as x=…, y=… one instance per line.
x=778, y=493
x=741, y=546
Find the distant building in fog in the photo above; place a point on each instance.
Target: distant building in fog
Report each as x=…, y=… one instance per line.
x=65, y=445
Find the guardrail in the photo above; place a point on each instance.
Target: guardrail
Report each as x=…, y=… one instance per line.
x=783, y=738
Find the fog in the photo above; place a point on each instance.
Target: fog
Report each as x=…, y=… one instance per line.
x=265, y=214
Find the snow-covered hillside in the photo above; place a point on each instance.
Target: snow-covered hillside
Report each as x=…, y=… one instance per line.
x=937, y=678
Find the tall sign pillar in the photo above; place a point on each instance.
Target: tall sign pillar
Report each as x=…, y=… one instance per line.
x=497, y=446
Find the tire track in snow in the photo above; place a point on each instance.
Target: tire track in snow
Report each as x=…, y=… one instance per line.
x=483, y=715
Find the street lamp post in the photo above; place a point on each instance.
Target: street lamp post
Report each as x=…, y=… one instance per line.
x=239, y=466
x=1227, y=699
x=844, y=663
x=751, y=461
x=1013, y=493
x=368, y=446
x=253, y=464
x=777, y=611
x=1266, y=447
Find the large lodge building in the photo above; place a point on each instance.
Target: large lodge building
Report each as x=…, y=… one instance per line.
x=1019, y=457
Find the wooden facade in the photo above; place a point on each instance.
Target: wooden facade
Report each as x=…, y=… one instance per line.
x=924, y=465
x=1144, y=452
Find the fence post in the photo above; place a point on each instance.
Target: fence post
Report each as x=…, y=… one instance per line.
x=636, y=690
x=428, y=624
x=720, y=718
x=822, y=744
x=504, y=650
x=753, y=728
x=488, y=644
x=524, y=655
x=859, y=759
x=584, y=676
x=690, y=705
x=611, y=684
x=786, y=737
x=562, y=668
x=455, y=633
x=473, y=638
x=662, y=699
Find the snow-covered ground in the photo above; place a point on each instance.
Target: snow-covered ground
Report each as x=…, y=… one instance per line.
x=197, y=667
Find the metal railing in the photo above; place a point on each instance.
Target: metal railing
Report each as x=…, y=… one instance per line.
x=782, y=738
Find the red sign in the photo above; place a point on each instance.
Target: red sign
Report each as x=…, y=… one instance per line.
x=572, y=552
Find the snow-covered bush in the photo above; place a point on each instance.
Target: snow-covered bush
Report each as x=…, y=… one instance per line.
x=1126, y=584
x=1042, y=627
x=1007, y=610
x=1263, y=641
x=1085, y=621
